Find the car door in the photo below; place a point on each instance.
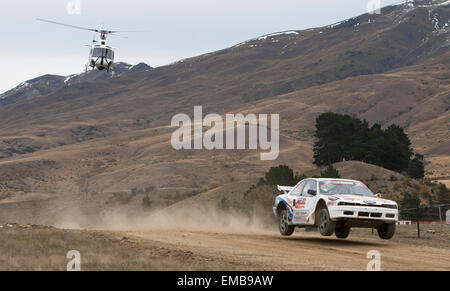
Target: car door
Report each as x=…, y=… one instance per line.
x=298, y=204
x=308, y=201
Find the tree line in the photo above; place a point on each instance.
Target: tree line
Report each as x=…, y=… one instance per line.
x=343, y=137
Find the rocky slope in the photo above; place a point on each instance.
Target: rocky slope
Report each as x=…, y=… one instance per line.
x=50, y=83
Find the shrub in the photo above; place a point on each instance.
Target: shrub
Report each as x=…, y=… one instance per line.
x=330, y=172
x=392, y=178
x=224, y=204
x=212, y=185
x=281, y=175
x=146, y=202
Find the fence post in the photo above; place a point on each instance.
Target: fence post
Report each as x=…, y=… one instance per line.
x=418, y=218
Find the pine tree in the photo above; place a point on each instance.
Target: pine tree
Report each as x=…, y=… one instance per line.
x=343, y=137
x=281, y=175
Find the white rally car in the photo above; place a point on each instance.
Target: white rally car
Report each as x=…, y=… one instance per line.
x=334, y=206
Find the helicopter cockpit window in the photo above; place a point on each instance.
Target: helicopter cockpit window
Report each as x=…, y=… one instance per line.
x=103, y=52
x=109, y=54
x=97, y=52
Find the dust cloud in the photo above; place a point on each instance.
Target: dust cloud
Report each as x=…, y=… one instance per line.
x=195, y=218
x=72, y=212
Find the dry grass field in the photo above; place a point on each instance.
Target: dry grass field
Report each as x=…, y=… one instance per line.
x=227, y=248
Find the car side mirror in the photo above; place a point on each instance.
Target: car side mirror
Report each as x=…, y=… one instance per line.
x=312, y=192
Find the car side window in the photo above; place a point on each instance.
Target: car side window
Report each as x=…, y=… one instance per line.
x=314, y=185
x=310, y=185
x=298, y=189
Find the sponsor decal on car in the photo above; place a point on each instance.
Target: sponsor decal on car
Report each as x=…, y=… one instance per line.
x=341, y=183
x=300, y=204
x=351, y=199
x=301, y=215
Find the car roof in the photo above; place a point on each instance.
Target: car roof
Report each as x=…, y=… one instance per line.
x=327, y=179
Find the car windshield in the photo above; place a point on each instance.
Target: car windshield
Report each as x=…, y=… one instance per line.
x=344, y=187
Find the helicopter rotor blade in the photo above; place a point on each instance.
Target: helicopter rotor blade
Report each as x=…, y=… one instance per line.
x=131, y=31
x=118, y=35
x=68, y=25
x=124, y=31
x=102, y=31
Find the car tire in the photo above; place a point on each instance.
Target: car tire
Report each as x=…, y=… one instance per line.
x=326, y=225
x=342, y=232
x=283, y=224
x=386, y=230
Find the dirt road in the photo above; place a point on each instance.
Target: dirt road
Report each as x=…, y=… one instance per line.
x=267, y=250
x=30, y=247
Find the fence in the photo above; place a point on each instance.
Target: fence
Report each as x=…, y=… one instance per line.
x=421, y=216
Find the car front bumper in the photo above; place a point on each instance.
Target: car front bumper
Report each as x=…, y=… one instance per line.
x=363, y=213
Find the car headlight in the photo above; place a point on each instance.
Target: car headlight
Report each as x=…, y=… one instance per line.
x=391, y=206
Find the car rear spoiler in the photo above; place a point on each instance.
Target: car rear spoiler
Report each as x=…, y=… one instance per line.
x=285, y=189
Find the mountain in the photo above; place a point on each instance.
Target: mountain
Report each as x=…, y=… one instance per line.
x=32, y=88
x=49, y=83
x=110, y=140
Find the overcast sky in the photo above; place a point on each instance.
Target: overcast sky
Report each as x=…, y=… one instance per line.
x=179, y=29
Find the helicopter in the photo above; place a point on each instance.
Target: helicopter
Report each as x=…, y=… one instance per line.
x=101, y=56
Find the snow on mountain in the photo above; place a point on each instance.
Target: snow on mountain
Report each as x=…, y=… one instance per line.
x=48, y=83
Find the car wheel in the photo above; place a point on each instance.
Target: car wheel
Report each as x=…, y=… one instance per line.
x=326, y=225
x=386, y=230
x=283, y=224
x=342, y=232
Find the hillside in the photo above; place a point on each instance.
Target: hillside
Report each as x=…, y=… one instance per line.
x=100, y=140
x=390, y=184
x=47, y=84
x=257, y=202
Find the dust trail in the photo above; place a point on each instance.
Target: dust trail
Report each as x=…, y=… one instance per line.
x=200, y=218
x=72, y=212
